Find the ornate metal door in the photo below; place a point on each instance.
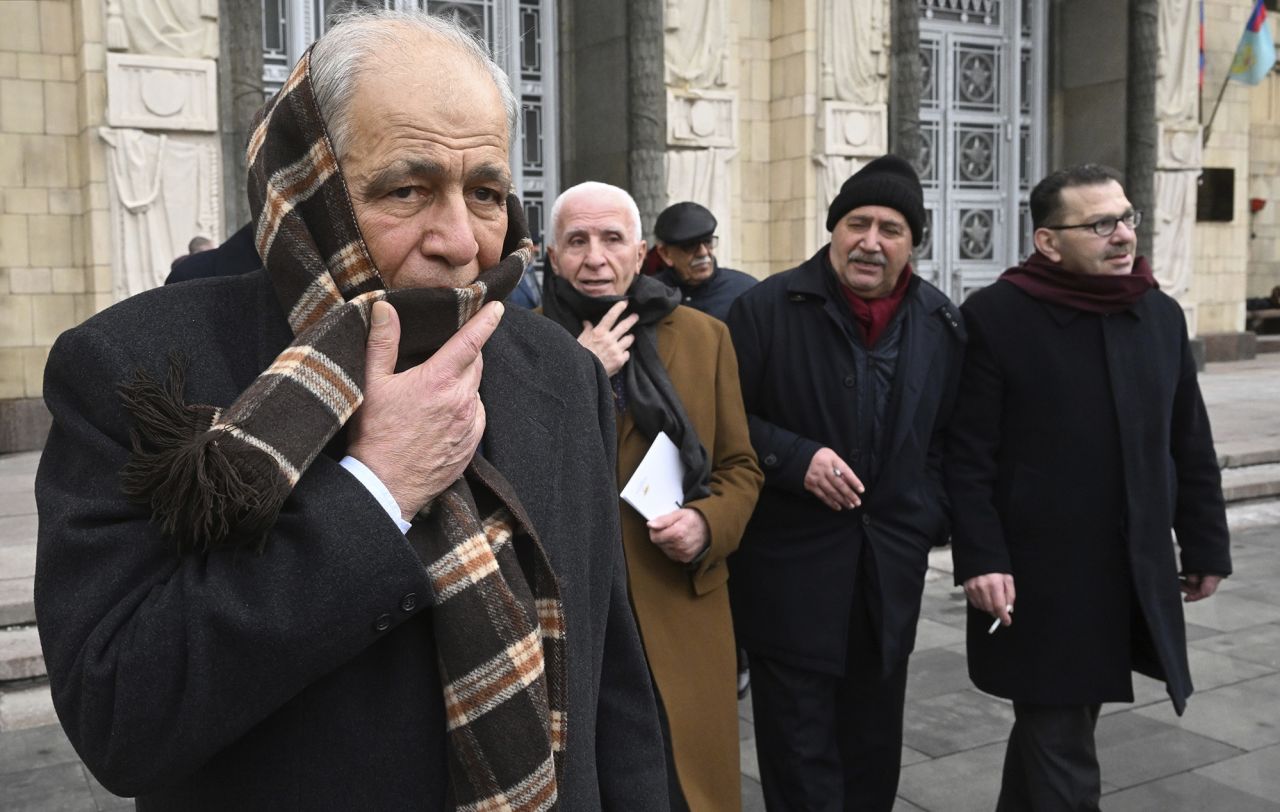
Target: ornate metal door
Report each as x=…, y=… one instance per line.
x=982, y=120
x=519, y=32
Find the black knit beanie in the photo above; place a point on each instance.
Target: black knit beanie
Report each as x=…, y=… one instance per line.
x=887, y=181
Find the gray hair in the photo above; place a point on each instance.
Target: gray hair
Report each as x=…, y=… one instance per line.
x=596, y=189
x=356, y=35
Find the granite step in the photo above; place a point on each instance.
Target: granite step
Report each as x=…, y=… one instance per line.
x=1251, y=482
x=20, y=655
x=26, y=704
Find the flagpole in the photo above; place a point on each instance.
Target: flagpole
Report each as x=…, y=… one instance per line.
x=1208, y=127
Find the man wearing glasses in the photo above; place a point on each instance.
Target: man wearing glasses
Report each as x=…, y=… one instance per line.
x=1079, y=440
x=687, y=243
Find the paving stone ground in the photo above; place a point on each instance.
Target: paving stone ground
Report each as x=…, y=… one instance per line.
x=1223, y=754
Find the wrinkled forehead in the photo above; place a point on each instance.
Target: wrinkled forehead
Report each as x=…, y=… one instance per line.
x=1089, y=202
x=595, y=214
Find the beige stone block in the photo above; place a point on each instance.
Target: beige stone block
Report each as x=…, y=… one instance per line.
x=26, y=201
x=67, y=280
x=70, y=68
x=65, y=201
x=13, y=240
x=45, y=159
x=77, y=242
x=21, y=106
x=15, y=320
x=21, y=28
x=8, y=65
x=75, y=149
x=780, y=181
x=100, y=278
x=93, y=98
x=61, y=116
x=50, y=239
x=99, y=241
x=99, y=195
x=11, y=173
x=89, y=15
x=55, y=27
x=30, y=280
x=12, y=377
x=51, y=314
x=39, y=67
x=93, y=56
x=33, y=362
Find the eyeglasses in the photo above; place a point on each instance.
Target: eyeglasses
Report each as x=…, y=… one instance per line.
x=692, y=246
x=1107, y=225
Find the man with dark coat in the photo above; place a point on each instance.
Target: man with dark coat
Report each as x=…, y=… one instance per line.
x=236, y=255
x=361, y=549
x=1079, y=439
x=686, y=235
x=849, y=365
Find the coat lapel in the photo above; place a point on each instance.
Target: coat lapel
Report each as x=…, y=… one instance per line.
x=522, y=419
x=915, y=364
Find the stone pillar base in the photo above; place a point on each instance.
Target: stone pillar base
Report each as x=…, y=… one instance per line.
x=24, y=425
x=1229, y=346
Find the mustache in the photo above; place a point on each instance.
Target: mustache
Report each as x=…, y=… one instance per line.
x=858, y=255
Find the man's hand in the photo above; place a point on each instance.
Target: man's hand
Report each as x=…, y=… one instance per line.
x=680, y=534
x=992, y=593
x=832, y=480
x=418, y=429
x=1197, y=587
x=610, y=339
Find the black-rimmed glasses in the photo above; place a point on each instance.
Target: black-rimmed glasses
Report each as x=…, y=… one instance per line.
x=692, y=246
x=1107, y=225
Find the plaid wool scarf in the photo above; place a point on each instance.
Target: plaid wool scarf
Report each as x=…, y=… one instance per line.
x=218, y=477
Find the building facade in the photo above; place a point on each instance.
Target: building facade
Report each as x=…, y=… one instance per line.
x=114, y=117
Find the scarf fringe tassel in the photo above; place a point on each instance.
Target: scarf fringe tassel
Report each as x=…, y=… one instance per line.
x=205, y=488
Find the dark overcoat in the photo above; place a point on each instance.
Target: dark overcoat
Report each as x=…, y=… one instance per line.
x=1078, y=441
x=305, y=677
x=793, y=577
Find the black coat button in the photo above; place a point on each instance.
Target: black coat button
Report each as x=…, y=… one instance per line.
x=866, y=519
x=382, y=623
x=849, y=381
x=409, y=602
x=770, y=459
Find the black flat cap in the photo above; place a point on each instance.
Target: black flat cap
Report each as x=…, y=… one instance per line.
x=683, y=223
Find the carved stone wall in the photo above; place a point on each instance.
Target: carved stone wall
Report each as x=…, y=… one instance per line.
x=1178, y=160
x=164, y=170
x=852, y=122
x=702, y=111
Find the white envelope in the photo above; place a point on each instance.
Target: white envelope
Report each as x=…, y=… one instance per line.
x=657, y=486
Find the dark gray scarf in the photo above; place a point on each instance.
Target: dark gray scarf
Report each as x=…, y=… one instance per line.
x=652, y=399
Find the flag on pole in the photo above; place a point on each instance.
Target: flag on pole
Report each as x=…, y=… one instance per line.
x=1256, y=53
x=1201, y=74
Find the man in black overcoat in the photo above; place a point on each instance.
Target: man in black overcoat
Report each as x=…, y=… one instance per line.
x=849, y=365
x=221, y=635
x=1079, y=439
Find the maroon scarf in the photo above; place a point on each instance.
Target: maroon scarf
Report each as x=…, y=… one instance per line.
x=1094, y=293
x=873, y=315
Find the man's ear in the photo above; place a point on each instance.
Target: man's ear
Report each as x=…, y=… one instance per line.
x=664, y=251
x=553, y=259
x=641, y=252
x=1046, y=242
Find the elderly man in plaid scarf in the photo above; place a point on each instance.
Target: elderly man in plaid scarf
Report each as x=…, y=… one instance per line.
x=341, y=533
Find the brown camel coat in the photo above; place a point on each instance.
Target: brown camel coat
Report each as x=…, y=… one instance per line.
x=684, y=615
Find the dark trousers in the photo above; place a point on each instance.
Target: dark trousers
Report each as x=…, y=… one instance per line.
x=1051, y=763
x=825, y=742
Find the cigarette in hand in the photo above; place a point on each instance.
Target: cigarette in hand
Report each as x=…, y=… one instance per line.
x=995, y=624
